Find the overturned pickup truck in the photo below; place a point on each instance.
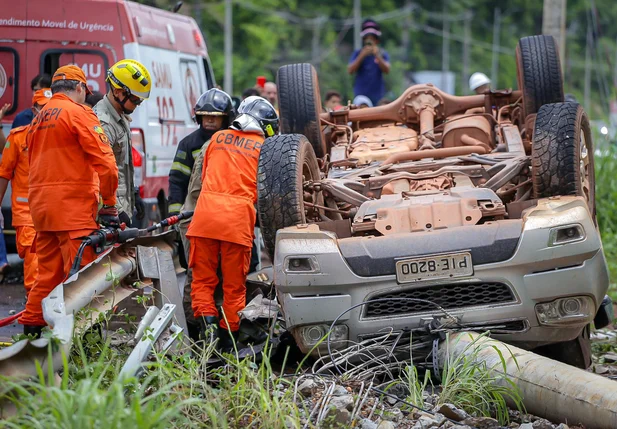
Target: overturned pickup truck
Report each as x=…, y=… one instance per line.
x=479, y=205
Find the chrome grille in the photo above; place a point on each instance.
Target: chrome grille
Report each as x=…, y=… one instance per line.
x=448, y=296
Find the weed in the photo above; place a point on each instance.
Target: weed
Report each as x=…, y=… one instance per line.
x=470, y=384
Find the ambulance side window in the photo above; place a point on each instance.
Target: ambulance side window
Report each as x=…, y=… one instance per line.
x=93, y=62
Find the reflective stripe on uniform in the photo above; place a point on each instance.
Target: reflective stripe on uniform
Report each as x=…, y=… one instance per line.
x=195, y=153
x=21, y=199
x=176, y=207
x=178, y=166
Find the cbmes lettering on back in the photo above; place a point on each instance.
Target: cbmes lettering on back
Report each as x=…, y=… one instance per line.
x=48, y=115
x=230, y=139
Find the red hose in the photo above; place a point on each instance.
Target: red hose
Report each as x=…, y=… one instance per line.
x=10, y=319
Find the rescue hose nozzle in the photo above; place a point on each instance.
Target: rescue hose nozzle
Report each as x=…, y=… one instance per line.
x=172, y=220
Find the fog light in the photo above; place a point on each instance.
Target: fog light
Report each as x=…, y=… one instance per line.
x=565, y=235
x=575, y=310
x=311, y=335
x=302, y=264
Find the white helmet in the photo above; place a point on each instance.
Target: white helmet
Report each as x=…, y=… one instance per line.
x=477, y=80
x=256, y=115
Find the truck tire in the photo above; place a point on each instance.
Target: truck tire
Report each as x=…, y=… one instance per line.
x=538, y=71
x=562, y=153
x=576, y=352
x=300, y=104
x=285, y=163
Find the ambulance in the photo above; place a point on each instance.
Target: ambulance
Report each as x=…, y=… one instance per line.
x=38, y=36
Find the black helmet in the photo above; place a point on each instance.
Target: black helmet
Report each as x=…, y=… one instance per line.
x=215, y=102
x=256, y=114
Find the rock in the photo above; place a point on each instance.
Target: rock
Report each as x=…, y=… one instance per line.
x=385, y=424
x=306, y=387
x=450, y=425
x=526, y=426
x=609, y=357
x=425, y=423
x=340, y=391
x=391, y=400
x=344, y=402
x=394, y=414
x=341, y=416
x=542, y=424
x=11, y=312
x=367, y=424
x=563, y=426
x=481, y=422
x=451, y=412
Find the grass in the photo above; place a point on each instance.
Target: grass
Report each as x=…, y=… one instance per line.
x=606, y=205
x=476, y=387
x=174, y=392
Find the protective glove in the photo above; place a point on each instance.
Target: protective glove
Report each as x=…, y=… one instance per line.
x=108, y=216
x=140, y=206
x=124, y=218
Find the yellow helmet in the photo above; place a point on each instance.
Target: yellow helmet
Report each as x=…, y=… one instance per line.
x=131, y=76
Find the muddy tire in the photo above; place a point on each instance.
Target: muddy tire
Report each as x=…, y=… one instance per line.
x=576, y=352
x=300, y=104
x=538, y=71
x=285, y=163
x=562, y=153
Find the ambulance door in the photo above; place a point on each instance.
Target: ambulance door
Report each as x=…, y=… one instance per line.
x=9, y=78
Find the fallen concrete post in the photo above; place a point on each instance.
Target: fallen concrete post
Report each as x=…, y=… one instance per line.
x=550, y=389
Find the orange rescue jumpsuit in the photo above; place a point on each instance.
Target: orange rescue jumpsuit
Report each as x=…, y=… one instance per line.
x=14, y=167
x=71, y=164
x=223, y=224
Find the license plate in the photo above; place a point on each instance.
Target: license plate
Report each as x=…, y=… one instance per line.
x=434, y=267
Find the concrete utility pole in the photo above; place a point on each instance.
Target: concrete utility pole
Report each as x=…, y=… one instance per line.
x=228, y=82
x=495, y=59
x=405, y=38
x=315, y=46
x=554, y=24
x=466, y=43
x=357, y=24
x=445, y=47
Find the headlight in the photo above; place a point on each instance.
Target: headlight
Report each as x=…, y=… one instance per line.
x=574, y=310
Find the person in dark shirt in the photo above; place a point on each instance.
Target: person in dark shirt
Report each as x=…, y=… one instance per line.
x=370, y=64
x=93, y=98
x=25, y=116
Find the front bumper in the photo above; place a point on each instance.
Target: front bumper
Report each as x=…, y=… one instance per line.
x=322, y=286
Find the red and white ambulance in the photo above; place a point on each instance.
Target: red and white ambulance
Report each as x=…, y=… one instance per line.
x=38, y=36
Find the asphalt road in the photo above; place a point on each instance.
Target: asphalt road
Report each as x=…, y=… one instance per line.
x=12, y=297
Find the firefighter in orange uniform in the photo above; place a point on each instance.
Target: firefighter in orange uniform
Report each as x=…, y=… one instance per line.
x=71, y=164
x=224, y=219
x=14, y=168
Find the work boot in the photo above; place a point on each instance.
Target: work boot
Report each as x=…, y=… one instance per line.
x=193, y=331
x=33, y=331
x=227, y=339
x=208, y=329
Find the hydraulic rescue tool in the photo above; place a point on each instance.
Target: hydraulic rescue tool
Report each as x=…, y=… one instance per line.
x=109, y=236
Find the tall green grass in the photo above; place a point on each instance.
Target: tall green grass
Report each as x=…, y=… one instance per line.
x=175, y=392
x=606, y=206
